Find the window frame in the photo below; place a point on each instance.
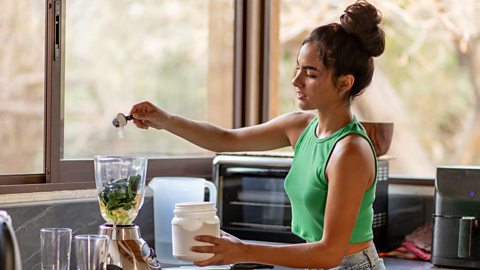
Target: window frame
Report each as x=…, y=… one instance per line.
x=248, y=104
x=256, y=24
x=74, y=171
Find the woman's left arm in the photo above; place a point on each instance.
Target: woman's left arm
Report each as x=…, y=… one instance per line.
x=350, y=172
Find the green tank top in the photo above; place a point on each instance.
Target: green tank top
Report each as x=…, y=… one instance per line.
x=306, y=184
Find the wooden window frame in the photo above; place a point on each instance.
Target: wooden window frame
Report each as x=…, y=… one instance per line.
x=250, y=103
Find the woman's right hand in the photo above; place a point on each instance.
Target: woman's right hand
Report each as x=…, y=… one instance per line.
x=146, y=115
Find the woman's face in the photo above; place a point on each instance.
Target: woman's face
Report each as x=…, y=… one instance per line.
x=313, y=81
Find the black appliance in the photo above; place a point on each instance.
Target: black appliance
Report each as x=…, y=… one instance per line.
x=456, y=219
x=253, y=205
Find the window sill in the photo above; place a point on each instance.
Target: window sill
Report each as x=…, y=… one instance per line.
x=45, y=187
x=48, y=196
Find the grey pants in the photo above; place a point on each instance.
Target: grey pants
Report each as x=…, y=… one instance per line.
x=366, y=259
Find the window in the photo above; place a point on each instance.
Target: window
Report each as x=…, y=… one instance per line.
x=22, y=79
x=87, y=61
x=176, y=54
x=425, y=82
x=228, y=62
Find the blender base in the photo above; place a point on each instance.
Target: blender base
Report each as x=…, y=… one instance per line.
x=127, y=250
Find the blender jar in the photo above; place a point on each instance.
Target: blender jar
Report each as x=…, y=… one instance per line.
x=120, y=185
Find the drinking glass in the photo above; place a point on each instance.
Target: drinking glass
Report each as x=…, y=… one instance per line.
x=55, y=246
x=91, y=251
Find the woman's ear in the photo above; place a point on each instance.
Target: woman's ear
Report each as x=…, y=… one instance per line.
x=345, y=82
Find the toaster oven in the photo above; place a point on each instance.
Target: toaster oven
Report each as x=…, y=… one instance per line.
x=252, y=203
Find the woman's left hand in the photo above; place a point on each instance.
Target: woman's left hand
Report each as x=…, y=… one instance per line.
x=227, y=249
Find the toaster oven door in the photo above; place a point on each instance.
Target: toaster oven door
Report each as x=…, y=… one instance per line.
x=255, y=205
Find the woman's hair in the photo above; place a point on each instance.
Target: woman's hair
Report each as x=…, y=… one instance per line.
x=348, y=47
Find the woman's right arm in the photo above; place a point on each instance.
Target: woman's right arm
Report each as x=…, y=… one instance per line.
x=276, y=133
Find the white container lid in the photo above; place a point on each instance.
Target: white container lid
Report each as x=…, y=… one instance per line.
x=194, y=206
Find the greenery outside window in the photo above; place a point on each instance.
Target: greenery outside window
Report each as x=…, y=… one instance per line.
x=228, y=62
x=426, y=81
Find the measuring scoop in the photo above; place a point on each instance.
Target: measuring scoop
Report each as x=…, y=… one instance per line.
x=121, y=120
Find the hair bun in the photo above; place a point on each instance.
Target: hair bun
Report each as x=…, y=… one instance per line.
x=362, y=19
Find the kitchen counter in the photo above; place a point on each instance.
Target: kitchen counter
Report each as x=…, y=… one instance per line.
x=390, y=264
x=404, y=264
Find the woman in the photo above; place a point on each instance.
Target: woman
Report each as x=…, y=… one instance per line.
x=331, y=184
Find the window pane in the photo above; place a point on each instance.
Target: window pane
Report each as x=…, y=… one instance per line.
x=424, y=82
x=22, y=68
x=177, y=54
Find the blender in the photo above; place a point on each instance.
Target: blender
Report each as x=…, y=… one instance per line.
x=120, y=185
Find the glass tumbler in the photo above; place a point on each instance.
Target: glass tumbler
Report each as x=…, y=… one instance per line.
x=55, y=246
x=91, y=251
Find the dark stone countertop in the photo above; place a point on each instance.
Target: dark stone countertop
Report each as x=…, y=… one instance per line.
x=390, y=264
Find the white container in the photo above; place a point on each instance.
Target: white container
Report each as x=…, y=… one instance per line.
x=168, y=191
x=191, y=219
